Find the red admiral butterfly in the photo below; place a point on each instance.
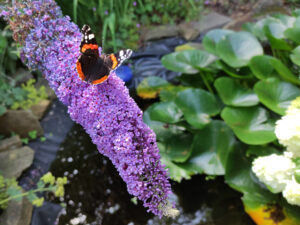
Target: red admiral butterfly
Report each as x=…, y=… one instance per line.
x=93, y=68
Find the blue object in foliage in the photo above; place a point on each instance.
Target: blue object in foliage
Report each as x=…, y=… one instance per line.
x=124, y=72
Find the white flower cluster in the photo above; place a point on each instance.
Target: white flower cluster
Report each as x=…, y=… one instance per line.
x=274, y=171
x=277, y=172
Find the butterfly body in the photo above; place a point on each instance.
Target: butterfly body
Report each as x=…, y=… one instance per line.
x=91, y=67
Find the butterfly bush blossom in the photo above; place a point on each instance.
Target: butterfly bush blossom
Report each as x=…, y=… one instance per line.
x=107, y=113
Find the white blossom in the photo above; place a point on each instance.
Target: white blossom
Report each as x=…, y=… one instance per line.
x=274, y=171
x=288, y=132
x=292, y=192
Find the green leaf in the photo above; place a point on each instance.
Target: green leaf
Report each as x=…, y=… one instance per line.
x=233, y=93
x=162, y=130
x=188, y=61
x=237, y=49
x=167, y=112
x=2, y=110
x=211, y=147
x=274, y=31
x=171, y=63
x=293, y=34
x=212, y=38
x=262, y=150
x=297, y=175
x=240, y=177
x=151, y=86
x=31, y=196
x=177, y=147
x=199, y=59
x=14, y=191
x=251, y=125
x=275, y=94
x=295, y=56
x=176, y=171
x=265, y=66
x=262, y=67
x=197, y=106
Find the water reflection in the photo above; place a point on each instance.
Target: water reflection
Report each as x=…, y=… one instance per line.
x=96, y=195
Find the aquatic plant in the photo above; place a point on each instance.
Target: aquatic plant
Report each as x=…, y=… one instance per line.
x=107, y=113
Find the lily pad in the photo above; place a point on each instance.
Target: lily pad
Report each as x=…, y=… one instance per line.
x=251, y=125
x=197, y=106
x=211, y=147
x=234, y=94
x=275, y=94
x=212, y=37
x=295, y=56
x=237, y=49
x=167, y=112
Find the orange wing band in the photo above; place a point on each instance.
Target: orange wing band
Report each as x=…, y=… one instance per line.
x=79, y=70
x=100, y=80
x=114, y=60
x=88, y=46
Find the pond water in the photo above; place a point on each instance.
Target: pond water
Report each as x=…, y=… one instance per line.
x=95, y=193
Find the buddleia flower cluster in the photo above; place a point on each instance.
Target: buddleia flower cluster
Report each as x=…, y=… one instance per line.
x=281, y=173
x=106, y=111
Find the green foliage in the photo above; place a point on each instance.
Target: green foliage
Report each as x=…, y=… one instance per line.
x=9, y=94
x=33, y=96
x=117, y=22
x=10, y=190
x=222, y=113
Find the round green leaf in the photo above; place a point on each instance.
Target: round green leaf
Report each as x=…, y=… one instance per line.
x=197, y=106
x=177, y=147
x=251, y=125
x=167, y=112
x=171, y=62
x=212, y=37
x=293, y=34
x=262, y=67
x=236, y=49
x=265, y=66
x=295, y=56
x=211, y=147
x=275, y=94
x=196, y=58
x=234, y=94
x=162, y=130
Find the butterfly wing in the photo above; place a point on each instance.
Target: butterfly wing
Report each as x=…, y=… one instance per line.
x=94, y=69
x=113, y=61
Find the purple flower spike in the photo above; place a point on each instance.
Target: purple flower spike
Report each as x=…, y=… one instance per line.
x=106, y=111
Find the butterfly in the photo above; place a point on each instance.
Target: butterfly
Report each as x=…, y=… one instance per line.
x=91, y=67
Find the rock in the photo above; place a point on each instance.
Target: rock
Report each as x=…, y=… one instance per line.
x=14, y=162
x=20, y=122
x=159, y=32
x=10, y=143
x=39, y=109
x=260, y=9
x=193, y=29
x=17, y=213
x=43, y=82
x=264, y=7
